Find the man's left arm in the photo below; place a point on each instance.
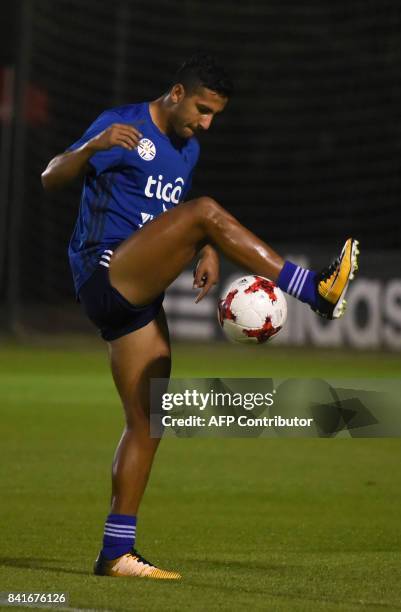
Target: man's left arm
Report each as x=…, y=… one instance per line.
x=206, y=273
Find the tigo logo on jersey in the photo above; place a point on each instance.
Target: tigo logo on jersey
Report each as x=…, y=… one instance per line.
x=168, y=192
x=146, y=149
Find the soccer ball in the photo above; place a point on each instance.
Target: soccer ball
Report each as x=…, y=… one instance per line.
x=252, y=310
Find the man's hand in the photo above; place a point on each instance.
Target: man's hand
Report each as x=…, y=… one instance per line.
x=206, y=273
x=66, y=167
x=118, y=134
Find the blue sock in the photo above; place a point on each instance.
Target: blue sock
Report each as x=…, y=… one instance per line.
x=299, y=282
x=119, y=535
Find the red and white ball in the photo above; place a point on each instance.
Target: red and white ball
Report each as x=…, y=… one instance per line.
x=252, y=310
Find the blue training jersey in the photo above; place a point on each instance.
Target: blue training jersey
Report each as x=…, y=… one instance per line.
x=126, y=189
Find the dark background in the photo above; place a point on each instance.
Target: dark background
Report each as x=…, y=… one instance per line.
x=307, y=152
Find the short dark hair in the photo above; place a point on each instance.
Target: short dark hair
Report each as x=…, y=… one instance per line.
x=202, y=69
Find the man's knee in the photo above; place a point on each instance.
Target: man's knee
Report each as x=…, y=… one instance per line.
x=137, y=421
x=208, y=209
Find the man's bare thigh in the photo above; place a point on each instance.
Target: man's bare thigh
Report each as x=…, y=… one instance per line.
x=145, y=264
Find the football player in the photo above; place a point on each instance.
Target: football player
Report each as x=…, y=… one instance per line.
x=134, y=235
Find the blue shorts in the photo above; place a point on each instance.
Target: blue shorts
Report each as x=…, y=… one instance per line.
x=112, y=314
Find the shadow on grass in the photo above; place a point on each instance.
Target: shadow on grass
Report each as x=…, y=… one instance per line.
x=271, y=569
x=237, y=564
x=49, y=565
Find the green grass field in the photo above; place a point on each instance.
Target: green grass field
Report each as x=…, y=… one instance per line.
x=269, y=524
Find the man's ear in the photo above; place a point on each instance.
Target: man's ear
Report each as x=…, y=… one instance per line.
x=177, y=93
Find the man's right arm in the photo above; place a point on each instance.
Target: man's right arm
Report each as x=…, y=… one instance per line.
x=66, y=167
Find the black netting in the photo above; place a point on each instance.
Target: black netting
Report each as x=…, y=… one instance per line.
x=307, y=151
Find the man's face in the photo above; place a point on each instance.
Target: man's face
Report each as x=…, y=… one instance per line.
x=194, y=112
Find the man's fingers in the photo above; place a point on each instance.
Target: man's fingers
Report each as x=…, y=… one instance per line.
x=124, y=141
x=127, y=129
x=205, y=289
x=200, y=279
x=202, y=293
x=117, y=134
x=125, y=135
x=130, y=133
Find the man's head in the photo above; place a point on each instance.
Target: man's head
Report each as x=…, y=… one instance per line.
x=200, y=90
